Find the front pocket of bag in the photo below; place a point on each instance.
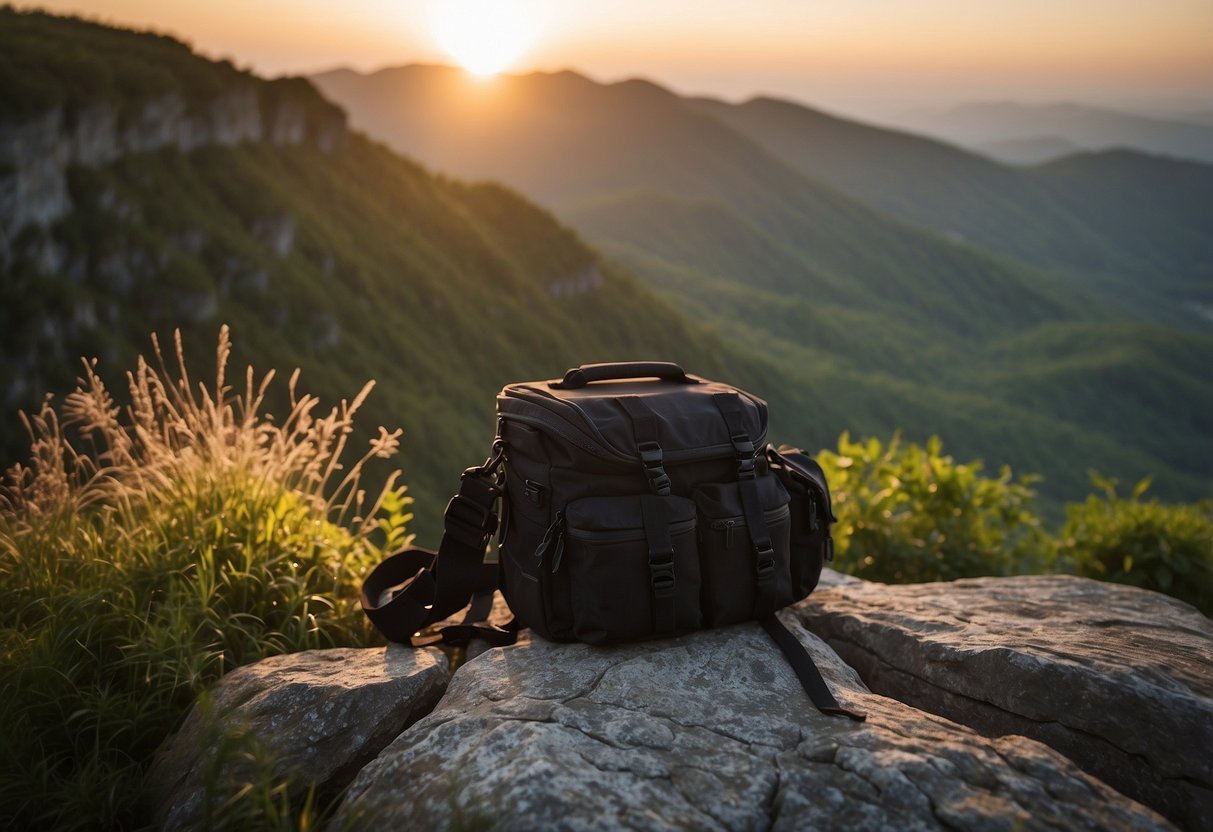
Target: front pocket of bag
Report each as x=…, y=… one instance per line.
x=628, y=584
x=729, y=565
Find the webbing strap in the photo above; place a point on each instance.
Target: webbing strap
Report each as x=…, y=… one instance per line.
x=644, y=430
x=765, y=585
x=661, y=563
x=806, y=671
x=417, y=587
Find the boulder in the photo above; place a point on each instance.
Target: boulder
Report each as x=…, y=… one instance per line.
x=707, y=731
x=316, y=716
x=1118, y=679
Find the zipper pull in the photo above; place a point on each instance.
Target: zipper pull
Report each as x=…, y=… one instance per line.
x=727, y=527
x=552, y=539
x=548, y=538
x=559, y=554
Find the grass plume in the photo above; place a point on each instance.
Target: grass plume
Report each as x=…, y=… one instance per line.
x=146, y=550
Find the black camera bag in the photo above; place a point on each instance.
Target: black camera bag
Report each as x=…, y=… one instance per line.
x=638, y=502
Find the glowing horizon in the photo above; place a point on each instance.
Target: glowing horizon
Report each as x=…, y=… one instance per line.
x=485, y=37
x=870, y=55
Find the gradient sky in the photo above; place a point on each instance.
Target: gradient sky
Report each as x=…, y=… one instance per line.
x=866, y=57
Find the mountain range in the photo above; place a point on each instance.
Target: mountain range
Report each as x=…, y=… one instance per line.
x=1039, y=317
x=985, y=125
x=1026, y=316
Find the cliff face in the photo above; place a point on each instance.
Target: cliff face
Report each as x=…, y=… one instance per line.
x=36, y=153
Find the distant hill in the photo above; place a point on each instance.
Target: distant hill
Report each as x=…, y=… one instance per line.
x=896, y=279
x=1031, y=150
x=1009, y=210
x=937, y=185
x=1092, y=128
x=1156, y=212
x=574, y=144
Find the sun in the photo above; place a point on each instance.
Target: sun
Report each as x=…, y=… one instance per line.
x=483, y=36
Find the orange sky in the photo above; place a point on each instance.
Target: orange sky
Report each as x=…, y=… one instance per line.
x=859, y=56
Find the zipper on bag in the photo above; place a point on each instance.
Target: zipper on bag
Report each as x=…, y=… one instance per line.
x=729, y=525
x=552, y=543
x=624, y=535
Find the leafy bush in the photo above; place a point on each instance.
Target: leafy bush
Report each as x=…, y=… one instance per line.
x=164, y=545
x=1168, y=548
x=907, y=513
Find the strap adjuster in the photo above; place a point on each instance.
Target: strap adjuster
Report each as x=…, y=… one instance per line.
x=661, y=576
x=764, y=562
x=651, y=456
x=468, y=511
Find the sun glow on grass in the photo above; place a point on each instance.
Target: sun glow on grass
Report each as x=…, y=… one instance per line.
x=483, y=36
x=147, y=550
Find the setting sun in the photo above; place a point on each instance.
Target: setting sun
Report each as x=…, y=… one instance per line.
x=483, y=36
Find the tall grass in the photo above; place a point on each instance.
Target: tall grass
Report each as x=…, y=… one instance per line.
x=146, y=550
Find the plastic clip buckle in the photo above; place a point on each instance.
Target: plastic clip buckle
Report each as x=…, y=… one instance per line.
x=764, y=564
x=661, y=575
x=491, y=468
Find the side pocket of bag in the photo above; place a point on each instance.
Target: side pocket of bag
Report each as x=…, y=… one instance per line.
x=807, y=541
x=728, y=561
x=633, y=567
x=521, y=572
x=811, y=544
x=528, y=518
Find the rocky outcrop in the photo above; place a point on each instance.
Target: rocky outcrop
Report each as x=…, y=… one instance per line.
x=319, y=716
x=580, y=282
x=708, y=731
x=712, y=730
x=35, y=154
x=1118, y=679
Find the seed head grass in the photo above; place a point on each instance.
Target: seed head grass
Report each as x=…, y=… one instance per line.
x=146, y=550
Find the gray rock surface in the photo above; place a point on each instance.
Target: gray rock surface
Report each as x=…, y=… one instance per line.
x=36, y=153
x=1117, y=678
x=708, y=731
x=321, y=714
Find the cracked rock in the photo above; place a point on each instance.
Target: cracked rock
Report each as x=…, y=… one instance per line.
x=318, y=716
x=707, y=731
x=1118, y=679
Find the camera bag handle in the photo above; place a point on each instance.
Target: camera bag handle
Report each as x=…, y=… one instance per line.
x=579, y=377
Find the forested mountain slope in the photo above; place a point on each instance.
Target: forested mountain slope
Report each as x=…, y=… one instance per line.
x=894, y=322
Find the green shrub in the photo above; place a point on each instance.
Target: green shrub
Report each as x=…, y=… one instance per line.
x=145, y=552
x=907, y=513
x=1168, y=548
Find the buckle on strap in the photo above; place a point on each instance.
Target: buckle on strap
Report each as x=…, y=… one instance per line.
x=469, y=512
x=661, y=576
x=743, y=446
x=764, y=563
x=471, y=519
x=490, y=469
x=651, y=456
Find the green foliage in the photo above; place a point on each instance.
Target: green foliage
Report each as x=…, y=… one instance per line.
x=908, y=513
x=1129, y=540
x=152, y=553
x=48, y=62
